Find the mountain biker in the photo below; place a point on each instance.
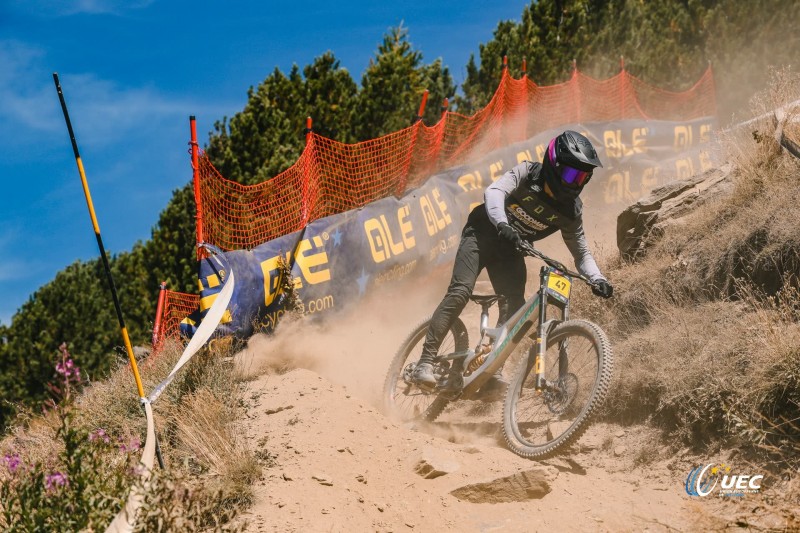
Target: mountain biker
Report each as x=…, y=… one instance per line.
x=529, y=202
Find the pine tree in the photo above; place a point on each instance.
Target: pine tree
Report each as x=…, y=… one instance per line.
x=661, y=42
x=330, y=98
x=264, y=138
x=551, y=35
x=393, y=84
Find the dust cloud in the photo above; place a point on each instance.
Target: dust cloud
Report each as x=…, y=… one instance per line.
x=352, y=347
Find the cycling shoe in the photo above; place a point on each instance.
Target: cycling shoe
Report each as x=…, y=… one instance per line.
x=423, y=375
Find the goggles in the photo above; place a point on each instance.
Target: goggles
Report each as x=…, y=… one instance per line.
x=572, y=177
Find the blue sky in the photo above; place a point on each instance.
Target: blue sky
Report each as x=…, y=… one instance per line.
x=132, y=72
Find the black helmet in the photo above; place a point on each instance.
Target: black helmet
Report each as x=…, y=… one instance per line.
x=569, y=161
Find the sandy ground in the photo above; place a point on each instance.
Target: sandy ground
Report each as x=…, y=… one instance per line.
x=334, y=462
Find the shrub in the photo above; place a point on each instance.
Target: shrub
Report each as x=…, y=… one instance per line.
x=83, y=487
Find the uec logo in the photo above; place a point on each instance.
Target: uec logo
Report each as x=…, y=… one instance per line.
x=703, y=479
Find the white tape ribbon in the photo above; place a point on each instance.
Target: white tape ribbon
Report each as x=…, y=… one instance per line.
x=125, y=519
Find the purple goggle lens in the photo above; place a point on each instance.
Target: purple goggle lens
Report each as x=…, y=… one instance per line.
x=570, y=176
x=573, y=176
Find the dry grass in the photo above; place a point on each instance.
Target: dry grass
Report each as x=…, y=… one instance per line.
x=209, y=437
x=706, y=327
x=211, y=468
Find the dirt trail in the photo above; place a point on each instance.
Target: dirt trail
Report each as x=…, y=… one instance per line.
x=337, y=464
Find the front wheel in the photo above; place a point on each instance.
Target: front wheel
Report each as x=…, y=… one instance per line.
x=405, y=401
x=579, y=366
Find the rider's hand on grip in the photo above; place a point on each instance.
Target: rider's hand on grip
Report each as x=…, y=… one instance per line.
x=603, y=288
x=508, y=233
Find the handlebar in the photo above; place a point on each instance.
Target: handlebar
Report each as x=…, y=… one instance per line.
x=528, y=249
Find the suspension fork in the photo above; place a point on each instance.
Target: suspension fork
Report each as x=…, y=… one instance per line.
x=541, y=335
x=536, y=360
x=563, y=359
x=536, y=354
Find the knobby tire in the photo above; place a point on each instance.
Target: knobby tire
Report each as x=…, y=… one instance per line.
x=593, y=336
x=409, y=351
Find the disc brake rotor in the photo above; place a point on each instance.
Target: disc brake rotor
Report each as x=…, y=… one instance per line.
x=560, y=398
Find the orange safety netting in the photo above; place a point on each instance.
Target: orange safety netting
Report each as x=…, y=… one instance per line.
x=177, y=306
x=330, y=177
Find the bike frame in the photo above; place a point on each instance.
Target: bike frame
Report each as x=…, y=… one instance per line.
x=554, y=287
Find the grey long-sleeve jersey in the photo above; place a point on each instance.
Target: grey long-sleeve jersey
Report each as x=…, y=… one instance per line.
x=518, y=198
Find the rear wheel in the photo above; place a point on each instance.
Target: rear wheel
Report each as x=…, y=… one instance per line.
x=579, y=365
x=408, y=402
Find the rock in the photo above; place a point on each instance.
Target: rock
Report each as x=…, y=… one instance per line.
x=278, y=409
x=523, y=486
x=435, y=463
x=322, y=480
x=620, y=433
x=648, y=218
x=620, y=450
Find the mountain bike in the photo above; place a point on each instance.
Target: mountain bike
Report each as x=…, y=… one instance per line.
x=555, y=388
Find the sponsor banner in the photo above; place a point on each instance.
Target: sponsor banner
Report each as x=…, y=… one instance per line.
x=337, y=260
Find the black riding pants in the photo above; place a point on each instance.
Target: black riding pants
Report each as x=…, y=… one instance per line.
x=481, y=247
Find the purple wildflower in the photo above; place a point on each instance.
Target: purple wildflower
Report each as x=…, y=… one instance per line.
x=134, y=444
x=99, y=434
x=68, y=369
x=12, y=462
x=55, y=480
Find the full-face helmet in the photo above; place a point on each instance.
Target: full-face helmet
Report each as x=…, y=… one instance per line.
x=569, y=162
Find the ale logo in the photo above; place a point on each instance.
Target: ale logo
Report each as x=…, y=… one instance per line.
x=703, y=479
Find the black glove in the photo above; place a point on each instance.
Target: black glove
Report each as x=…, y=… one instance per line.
x=508, y=233
x=603, y=288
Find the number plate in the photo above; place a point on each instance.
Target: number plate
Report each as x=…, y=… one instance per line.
x=558, y=286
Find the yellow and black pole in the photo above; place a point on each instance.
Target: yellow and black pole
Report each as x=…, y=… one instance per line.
x=103, y=256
